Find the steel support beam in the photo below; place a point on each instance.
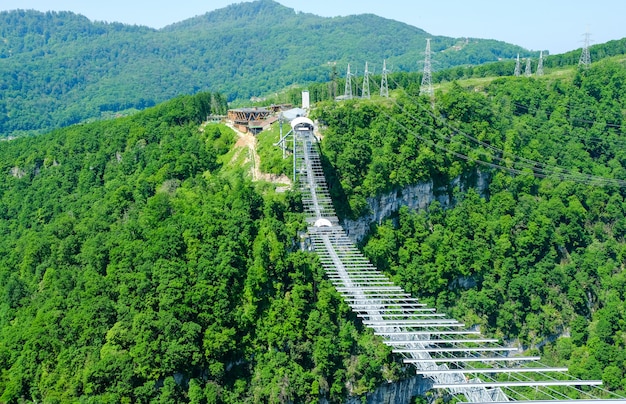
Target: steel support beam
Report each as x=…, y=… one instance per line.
x=490, y=370
x=528, y=383
x=475, y=359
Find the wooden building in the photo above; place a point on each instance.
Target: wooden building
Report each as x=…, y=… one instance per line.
x=243, y=116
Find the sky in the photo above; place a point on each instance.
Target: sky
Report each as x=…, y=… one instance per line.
x=554, y=25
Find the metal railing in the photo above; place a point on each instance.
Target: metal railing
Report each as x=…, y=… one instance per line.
x=440, y=348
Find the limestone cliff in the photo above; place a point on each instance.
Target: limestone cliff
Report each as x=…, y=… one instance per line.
x=400, y=392
x=415, y=197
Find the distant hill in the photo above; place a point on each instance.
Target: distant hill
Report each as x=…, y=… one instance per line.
x=60, y=68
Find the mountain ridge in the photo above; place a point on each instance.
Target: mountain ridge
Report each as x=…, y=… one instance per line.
x=60, y=68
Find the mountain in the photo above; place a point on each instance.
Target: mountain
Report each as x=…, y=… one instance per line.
x=526, y=236
x=136, y=266
x=57, y=69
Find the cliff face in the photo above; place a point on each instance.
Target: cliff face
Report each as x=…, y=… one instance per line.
x=400, y=392
x=415, y=197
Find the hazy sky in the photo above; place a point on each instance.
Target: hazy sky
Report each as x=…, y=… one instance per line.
x=554, y=25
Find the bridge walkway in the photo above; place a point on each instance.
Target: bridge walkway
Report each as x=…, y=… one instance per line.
x=442, y=350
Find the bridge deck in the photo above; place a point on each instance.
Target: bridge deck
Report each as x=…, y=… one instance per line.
x=431, y=344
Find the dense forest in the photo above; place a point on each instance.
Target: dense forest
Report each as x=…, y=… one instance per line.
x=135, y=268
x=537, y=254
x=60, y=68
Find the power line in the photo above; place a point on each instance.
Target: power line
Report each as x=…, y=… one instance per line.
x=533, y=167
x=616, y=141
x=570, y=119
x=537, y=168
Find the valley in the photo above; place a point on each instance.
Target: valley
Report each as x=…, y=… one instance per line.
x=148, y=255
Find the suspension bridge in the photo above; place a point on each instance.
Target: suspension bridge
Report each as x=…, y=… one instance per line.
x=448, y=355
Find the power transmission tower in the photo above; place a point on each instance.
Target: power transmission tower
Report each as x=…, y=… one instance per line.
x=585, y=57
x=384, y=86
x=518, y=67
x=366, y=83
x=528, y=71
x=348, y=91
x=540, y=64
x=427, y=83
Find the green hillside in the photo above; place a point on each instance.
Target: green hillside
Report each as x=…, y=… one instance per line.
x=137, y=265
x=540, y=252
x=134, y=268
x=59, y=69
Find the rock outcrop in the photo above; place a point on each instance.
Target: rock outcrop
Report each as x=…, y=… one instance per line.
x=415, y=197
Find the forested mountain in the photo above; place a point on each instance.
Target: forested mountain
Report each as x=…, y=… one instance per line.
x=58, y=69
x=133, y=268
x=541, y=251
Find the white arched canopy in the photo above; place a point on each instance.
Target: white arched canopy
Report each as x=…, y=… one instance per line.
x=302, y=123
x=323, y=223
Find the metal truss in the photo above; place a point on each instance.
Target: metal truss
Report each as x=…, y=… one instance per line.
x=449, y=356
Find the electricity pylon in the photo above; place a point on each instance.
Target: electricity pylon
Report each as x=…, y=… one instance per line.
x=427, y=83
x=384, y=86
x=540, y=64
x=518, y=67
x=528, y=71
x=348, y=91
x=585, y=57
x=366, y=83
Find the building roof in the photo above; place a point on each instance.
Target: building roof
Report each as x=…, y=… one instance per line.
x=294, y=113
x=253, y=109
x=262, y=123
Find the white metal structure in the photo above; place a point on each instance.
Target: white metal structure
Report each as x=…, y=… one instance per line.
x=585, y=56
x=348, y=91
x=518, y=67
x=384, y=84
x=447, y=355
x=540, y=64
x=365, y=93
x=528, y=71
x=427, y=82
